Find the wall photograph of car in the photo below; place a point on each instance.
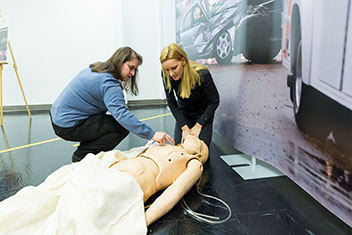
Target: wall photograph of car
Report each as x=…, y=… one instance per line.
x=222, y=29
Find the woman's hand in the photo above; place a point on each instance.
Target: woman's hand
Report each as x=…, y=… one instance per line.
x=196, y=129
x=185, y=131
x=162, y=137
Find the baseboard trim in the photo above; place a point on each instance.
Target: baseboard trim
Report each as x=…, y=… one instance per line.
x=23, y=108
x=47, y=107
x=154, y=102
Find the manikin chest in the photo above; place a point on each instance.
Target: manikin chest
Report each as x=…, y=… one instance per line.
x=171, y=161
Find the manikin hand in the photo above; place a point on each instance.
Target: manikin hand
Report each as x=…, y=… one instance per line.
x=185, y=131
x=162, y=137
x=196, y=130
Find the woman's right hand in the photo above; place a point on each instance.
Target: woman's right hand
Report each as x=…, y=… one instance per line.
x=162, y=137
x=185, y=131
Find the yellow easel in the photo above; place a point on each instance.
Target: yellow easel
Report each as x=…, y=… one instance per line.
x=19, y=82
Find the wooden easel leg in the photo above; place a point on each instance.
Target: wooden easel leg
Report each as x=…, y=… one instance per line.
x=1, y=93
x=18, y=79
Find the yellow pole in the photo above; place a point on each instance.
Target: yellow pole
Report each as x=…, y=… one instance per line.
x=18, y=79
x=1, y=92
x=1, y=68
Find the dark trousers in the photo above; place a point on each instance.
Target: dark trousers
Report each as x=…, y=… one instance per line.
x=191, y=119
x=97, y=133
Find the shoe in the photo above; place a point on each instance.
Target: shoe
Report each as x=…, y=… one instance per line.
x=75, y=158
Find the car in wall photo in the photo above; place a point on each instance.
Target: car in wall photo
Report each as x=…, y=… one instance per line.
x=227, y=28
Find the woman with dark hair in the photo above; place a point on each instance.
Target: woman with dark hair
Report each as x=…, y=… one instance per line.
x=79, y=113
x=190, y=92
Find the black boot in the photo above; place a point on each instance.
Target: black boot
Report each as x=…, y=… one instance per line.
x=75, y=158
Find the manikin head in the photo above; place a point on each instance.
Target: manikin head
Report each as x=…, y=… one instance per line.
x=194, y=146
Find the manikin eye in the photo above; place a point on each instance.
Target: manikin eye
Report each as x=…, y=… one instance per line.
x=181, y=153
x=169, y=159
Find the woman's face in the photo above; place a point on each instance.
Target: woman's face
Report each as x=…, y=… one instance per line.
x=129, y=69
x=174, y=68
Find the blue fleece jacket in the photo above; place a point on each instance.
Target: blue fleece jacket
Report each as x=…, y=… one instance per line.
x=92, y=93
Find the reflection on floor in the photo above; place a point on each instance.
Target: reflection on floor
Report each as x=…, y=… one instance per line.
x=273, y=205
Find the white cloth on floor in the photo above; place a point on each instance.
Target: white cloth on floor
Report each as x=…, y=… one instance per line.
x=85, y=197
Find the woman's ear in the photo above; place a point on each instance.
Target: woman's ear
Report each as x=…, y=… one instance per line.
x=183, y=60
x=203, y=152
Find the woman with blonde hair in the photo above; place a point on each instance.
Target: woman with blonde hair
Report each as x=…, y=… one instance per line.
x=190, y=92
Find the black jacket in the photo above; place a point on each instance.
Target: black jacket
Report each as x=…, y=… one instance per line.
x=204, y=99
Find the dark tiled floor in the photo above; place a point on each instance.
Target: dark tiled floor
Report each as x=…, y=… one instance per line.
x=261, y=206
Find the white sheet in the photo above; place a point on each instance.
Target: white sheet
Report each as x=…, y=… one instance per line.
x=81, y=198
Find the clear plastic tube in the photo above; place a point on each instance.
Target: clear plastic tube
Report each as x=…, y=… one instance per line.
x=203, y=217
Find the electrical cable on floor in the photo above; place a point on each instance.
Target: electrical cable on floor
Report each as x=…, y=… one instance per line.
x=203, y=217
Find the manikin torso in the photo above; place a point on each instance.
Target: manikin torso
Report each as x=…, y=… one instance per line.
x=156, y=168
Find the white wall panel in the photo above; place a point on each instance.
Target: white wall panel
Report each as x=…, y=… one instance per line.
x=53, y=41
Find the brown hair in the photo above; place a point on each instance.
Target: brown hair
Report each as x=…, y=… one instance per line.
x=114, y=63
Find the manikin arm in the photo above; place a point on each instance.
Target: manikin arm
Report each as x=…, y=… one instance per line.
x=174, y=193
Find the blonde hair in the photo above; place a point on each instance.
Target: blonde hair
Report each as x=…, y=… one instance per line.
x=190, y=76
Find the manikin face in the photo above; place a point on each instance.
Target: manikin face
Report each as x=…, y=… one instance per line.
x=128, y=69
x=194, y=146
x=174, y=68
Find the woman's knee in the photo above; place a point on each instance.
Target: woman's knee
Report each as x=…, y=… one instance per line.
x=206, y=134
x=177, y=134
x=124, y=132
x=119, y=135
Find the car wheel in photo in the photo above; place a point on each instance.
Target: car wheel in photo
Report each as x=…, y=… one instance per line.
x=223, y=48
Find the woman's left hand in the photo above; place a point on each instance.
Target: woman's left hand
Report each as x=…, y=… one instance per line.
x=196, y=129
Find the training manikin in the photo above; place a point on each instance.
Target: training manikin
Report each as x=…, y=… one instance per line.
x=176, y=168
x=103, y=194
